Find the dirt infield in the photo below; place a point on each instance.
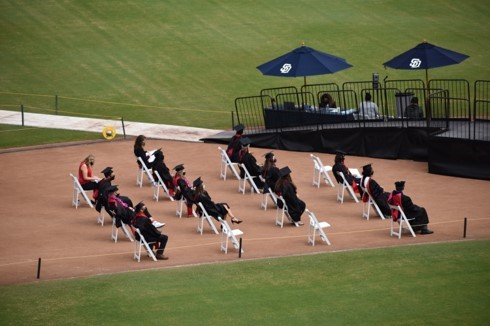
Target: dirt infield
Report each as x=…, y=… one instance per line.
x=36, y=195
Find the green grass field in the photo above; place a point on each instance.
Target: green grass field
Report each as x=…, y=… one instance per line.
x=437, y=284
x=184, y=62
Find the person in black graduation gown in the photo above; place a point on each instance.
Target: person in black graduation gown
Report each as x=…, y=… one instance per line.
x=101, y=193
x=183, y=188
x=213, y=209
x=340, y=166
x=139, y=151
x=417, y=216
x=375, y=190
x=164, y=172
x=234, y=145
x=149, y=231
x=270, y=172
x=250, y=162
x=287, y=189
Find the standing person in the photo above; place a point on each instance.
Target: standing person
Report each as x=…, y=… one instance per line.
x=250, y=162
x=234, y=146
x=164, y=172
x=183, y=188
x=287, y=189
x=375, y=190
x=416, y=215
x=413, y=111
x=340, y=166
x=87, y=180
x=139, y=151
x=213, y=209
x=149, y=231
x=270, y=172
x=368, y=109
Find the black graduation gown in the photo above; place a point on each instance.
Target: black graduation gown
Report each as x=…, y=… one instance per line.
x=213, y=209
x=234, y=148
x=164, y=172
x=419, y=214
x=296, y=206
x=379, y=196
x=272, y=177
x=140, y=152
x=253, y=168
x=339, y=167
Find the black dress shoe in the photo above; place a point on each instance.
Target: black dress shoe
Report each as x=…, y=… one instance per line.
x=426, y=231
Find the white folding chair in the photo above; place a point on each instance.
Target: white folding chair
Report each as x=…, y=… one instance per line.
x=143, y=169
x=115, y=231
x=228, y=234
x=204, y=216
x=160, y=184
x=284, y=213
x=181, y=203
x=138, y=245
x=402, y=219
x=225, y=164
x=242, y=182
x=100, y=218
x=320, y=170
x=366, y=206
x=78, y=190
x=342, y=186
x=265, y=197
x=315, y=226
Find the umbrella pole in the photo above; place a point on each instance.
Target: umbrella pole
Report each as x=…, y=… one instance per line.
x=304, y=79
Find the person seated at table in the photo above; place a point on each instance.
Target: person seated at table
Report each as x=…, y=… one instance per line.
x=183, y=188
x=213, y=209
x=327, y=102
x=234, y=146
x=339, y=166
x=270, y=172
x=164, y=172
x=248, y=159
x=416, y=215
x=367, y=108
x=142, y=222
x=287, y=189
x=375, y=190
x=413, y=111
x=139, y=151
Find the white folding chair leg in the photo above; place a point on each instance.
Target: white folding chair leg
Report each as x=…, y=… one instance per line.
x=100, y=218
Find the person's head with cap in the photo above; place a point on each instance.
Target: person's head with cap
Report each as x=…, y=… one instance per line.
x=270, y=157
x=198, y=182
x=284, y=172
x=107, y=171
x=400, y=185
x=140, y=207
x=339, y=156
x=245, y=142
x=239, y=128
x=112, y=189
x=179, y=169
x=367, y=170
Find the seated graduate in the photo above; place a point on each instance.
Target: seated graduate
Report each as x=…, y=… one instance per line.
x=101, y=193
x=234, y=145
x=149, y=231
x=117, y=208
x=416, y=215
x=375, y=190
x=139, y=151
x=250, y=162
x=287, y=189
x=270, y=172
x=340, y=166
x=213, y=209
x=183, y=188
x=413, y=111
x=164, y=172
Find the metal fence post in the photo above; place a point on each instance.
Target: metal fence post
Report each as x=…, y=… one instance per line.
x=124, y=130
x=22, y=113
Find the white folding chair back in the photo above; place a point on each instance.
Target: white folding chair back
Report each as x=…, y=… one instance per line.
x=160, y=184
x=321, y=171
x=225, y=164
x=401, y=221
x=242, y=182
x=78, y=190
x=283, y=212
x=342, y=186
x=204, y=216
x=143, y=170
x=228, y=234
x=181, y=203
x=366, y=206
x=138, y=245
x=115, y=231
x=265, y=197
x=316, y=226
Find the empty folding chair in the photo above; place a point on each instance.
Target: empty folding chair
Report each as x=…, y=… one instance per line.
x=161, y=184
x=138, y=245
x=342, y=186
x=143, y=169
x=204, y=216
x=321, y=171
x=228, y=234
x=316, y=226
x=78, y=190
x=242, y=182
x=225, y=164
x=402, y=219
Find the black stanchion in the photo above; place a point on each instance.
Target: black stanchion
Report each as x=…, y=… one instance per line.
x=22, y=113
x=464, y=228
x=240, y=249
x=39, y=268
x=124, y=130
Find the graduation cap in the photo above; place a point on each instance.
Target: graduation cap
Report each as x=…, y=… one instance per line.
x=268, y=155
x=107, y=171
x=139, y=206
x=112, y=188
x=179, y=167
x=285, y=171
x=197, y=182
x=367, y=169
x=339, y=152
x=239, y=128
x=400, y=185
x=245, y=141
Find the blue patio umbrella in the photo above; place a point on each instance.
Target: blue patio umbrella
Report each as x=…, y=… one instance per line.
x=303, y=61
x=425, y=56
